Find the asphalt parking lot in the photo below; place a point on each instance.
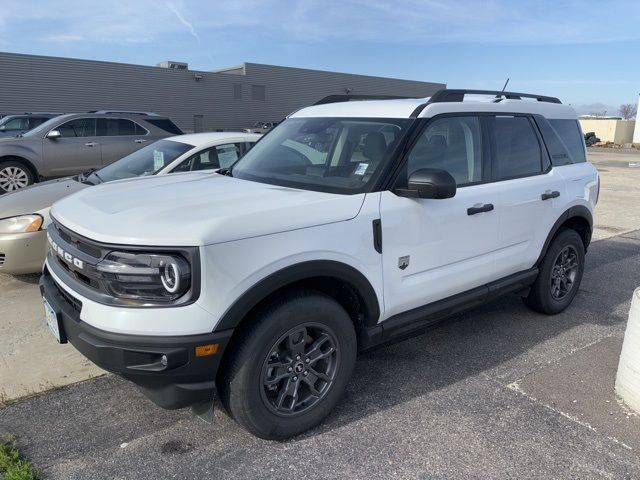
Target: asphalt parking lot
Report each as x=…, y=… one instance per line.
x=498, y=392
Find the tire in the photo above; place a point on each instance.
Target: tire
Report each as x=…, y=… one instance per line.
x=14, y=176
x=557, y=284
x=263, y=354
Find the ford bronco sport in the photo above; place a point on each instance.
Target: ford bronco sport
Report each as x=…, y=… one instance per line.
x=349, y=225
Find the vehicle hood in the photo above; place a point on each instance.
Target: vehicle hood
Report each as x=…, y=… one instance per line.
x=37, y=198
x=196, y=209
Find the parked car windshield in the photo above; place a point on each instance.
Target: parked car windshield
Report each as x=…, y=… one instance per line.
x=146, y=161
x=338, y=155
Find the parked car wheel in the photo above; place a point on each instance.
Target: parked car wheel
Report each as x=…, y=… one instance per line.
x=14, y=176
x=560, y=274
x=291, y=366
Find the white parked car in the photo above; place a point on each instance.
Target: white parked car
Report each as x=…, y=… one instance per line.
x=24, y=214
x=264, y=282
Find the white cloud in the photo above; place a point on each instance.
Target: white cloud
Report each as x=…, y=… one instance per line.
x=183, y=20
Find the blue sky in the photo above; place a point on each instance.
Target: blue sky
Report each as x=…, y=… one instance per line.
x=585, y=52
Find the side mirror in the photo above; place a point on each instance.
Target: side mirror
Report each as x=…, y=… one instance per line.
x=3, y=128
x=429, y=183
x=53, y=134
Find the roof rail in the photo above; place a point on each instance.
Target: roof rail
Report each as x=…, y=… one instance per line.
x=348, y=98
x=130, y=112
x=451, y=95
x=41, y=113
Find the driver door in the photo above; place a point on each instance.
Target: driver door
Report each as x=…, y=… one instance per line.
x=75, y=151
x=433, y=249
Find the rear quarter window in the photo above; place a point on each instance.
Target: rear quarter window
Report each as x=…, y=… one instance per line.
x=165, y=124
x=571, y=135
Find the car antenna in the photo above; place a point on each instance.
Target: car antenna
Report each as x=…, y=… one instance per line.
x=499, y=96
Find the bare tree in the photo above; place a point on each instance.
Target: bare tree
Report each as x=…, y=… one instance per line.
x=628, y=111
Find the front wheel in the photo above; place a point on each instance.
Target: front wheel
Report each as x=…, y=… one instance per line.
x=290, y=367
x=14, y=176
x=560, y=274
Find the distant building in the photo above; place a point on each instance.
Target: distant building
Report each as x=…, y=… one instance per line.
x=230, y=98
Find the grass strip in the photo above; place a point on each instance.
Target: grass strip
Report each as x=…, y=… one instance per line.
x=12, y=465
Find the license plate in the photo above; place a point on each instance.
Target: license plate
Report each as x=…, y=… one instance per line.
x=52, y=320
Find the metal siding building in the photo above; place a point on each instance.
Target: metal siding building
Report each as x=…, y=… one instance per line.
x=195, y=100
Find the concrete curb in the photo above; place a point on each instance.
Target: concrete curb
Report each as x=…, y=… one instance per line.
x=628, y=378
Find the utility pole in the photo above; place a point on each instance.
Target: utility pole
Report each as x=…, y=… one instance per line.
x=636, y=131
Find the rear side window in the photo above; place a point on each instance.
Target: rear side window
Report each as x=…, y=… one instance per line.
x=558, y=151
x=571, y=135
x=517, y=151
x=165, y=124
x=37, y=121
x=116, y=127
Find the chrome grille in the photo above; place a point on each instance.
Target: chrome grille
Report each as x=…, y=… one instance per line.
x=2, y=258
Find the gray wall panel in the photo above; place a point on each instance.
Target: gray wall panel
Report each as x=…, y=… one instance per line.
x=38, y=83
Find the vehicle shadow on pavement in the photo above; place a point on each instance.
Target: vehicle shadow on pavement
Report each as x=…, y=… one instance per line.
x=500, y=342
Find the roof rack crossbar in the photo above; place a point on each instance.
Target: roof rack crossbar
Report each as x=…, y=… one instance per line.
x=451, y=95
x=349, y=98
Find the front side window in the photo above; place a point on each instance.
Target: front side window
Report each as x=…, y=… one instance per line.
x=146, y=161
x=340, y=155
x=80, y=127
x=453, y=144
x=517, y=151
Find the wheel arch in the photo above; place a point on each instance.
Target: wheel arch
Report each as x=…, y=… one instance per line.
x=342, y=282
x=25, y=161
x=578, y=218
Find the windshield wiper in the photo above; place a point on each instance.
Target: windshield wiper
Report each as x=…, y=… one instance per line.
x=225, y=171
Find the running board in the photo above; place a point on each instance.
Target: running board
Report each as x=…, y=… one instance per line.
x=402, y=325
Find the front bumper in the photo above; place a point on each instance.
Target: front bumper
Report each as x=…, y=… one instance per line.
x=22, y=253
x=180, y=380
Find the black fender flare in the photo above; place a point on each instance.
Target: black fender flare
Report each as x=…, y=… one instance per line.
x=579, y=211
x=298, y=272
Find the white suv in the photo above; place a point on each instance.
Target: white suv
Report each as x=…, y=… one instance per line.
x=349, y=225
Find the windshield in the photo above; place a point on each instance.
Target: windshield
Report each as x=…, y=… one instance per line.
x=339, y=155
x=146, y=161
x=43, y=127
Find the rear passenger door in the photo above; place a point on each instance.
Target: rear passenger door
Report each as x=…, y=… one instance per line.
x=528, y=191
x=119, y=137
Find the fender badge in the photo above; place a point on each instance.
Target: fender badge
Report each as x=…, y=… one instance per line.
x=403, y=262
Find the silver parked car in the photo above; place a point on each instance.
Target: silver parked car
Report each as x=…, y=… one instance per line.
x=24, y=215
x=74, y=143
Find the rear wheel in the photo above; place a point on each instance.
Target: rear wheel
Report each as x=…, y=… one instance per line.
x=14, y=176
x=290, y=367
x=560, y=274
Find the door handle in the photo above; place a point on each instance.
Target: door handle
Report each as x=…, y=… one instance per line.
x=139, y=140
x=487, y=207
x=91, y=144
x=549, y=194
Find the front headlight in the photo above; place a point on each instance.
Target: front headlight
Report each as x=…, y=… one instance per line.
x=21, y=224
x=146, y=276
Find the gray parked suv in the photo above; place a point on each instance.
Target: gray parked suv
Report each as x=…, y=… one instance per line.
x=15, y=125
x=74, y=143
